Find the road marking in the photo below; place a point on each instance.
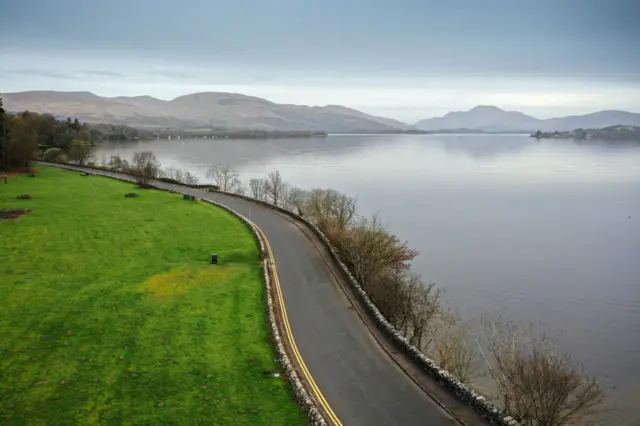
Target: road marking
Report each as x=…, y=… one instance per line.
x=294, y=347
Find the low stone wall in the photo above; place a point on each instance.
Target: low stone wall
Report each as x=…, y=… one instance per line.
x=467, y=395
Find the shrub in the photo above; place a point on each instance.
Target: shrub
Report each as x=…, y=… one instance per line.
x=80, y=151
x=54, y=155
x=144, y=167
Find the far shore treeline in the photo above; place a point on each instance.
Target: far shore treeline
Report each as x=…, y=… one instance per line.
x=28, y=135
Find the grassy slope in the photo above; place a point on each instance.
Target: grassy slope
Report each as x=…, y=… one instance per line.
x=112, y=314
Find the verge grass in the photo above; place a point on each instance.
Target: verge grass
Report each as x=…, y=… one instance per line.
x=111, y=312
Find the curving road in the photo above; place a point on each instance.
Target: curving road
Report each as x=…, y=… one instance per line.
x=361, y=382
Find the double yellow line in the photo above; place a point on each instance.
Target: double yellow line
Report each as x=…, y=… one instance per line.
x=292, y=343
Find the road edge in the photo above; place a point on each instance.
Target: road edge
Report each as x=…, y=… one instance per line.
x=277, y=323
x=465, y=394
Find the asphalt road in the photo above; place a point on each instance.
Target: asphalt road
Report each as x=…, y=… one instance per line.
x=360, y=381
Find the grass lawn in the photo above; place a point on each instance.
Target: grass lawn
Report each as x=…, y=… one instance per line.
x=111, y=312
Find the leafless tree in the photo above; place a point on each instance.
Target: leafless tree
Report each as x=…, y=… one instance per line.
x=535, y=381
x=225, y=176
x=190, y=179
x=329, y=208
x=274, y=187
x=240, y=189
x=172, y=173
x=144, y=167
x=257, y=189
x=370, y=250
x=296, y=200
x=284, y=197
x=451, y=346
x=178, y=175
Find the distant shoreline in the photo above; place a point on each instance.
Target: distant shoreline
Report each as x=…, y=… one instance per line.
x=612, y=133
x=432, y=132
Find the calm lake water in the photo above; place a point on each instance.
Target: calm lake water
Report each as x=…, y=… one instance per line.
x=538, y=230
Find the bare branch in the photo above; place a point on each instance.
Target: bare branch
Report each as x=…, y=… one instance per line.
x=536, y=382
x=226, y=177
x=144, y=167
x=274, y=187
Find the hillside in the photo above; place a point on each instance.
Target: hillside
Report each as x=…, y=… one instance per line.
x=487, y=118
x=596, y=120
x=233, y=111
x=494, y=119
x=215, y=109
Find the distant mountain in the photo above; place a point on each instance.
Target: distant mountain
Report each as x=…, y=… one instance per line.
x=596, y=120
x=232, y=111
x=90, y=108
x=210, y=109
x=494, y=119
x=146, y=102
x=482, y=117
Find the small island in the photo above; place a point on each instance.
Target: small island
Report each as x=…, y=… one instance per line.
x=611, y=133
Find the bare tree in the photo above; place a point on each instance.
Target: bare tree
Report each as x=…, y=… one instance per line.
x=274, y=187
x=257, y=189
x=370, y=250
x=190, y=179
x=536, y=382
x=182, y=176
x=225, y=176
x=450, y=345
x=240, y=189
x=284, y=197
x=330, y=208
x=172, y=173
x=144, y=167
x=296, y=199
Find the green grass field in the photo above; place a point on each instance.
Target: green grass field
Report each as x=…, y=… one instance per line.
x=111, y=312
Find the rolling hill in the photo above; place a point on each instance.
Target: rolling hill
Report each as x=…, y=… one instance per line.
x=494, y=119
x=211, y=109
x=233, y=111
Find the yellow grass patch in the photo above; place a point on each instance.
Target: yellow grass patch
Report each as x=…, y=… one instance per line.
x=180, y=281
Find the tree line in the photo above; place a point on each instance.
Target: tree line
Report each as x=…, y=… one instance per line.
x=532, y=379
x=618, y=133
x=28, y=135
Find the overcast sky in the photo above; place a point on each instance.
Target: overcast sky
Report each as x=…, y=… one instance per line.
x=408, y=59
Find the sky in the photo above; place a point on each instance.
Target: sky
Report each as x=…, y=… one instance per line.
x=405, y=59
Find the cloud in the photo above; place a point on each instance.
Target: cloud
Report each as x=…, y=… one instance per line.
x=411, y=59
x=572, y=39
x=172, y=74
x=101, y=73
x=37, y=72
